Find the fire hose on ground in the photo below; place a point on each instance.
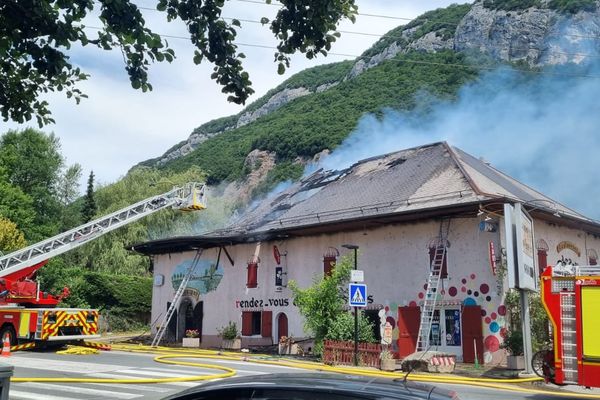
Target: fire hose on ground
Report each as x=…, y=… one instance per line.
x=167, y=355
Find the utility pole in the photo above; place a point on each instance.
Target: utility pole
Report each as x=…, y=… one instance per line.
x=355, y=248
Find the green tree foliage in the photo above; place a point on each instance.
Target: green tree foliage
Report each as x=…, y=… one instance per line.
x=443, y=21
x=322, y=303
x=11, y=238
x=32, y=162
x=342, y=328
x=16, y=206
x=538, y=317
x=310, y=124
x=68, y=192
x=36, y=37
x=88, y=212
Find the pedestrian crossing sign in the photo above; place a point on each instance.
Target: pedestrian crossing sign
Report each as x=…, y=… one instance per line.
x=357, y=295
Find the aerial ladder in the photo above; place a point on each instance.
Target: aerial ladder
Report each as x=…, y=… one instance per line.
x=29, y=315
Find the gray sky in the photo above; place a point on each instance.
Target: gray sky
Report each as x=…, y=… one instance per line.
x=117, y=127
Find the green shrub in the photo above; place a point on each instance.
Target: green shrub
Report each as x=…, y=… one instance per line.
x=342, y=328
x=229, y=332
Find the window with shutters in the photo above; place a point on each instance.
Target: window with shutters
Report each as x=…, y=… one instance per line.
x=257, y=323
x=252, y=280
x=329, y=260
x=592, y=257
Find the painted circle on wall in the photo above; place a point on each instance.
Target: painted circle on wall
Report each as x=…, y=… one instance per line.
x=452, y=291
x=473, y=276
x=469, y=292
x=503, y=332
x=469, y=301
x=387, y=309
x=502, y=310
x=463, y=289
x=488, y=320
x=391, y=321
x=421, y=295
x=484, y=288
x=492, y=343
x=494, y=327
x=483, y=312
x=476, y=294
x=488, y=298
x=464, y=281
x=493, y=315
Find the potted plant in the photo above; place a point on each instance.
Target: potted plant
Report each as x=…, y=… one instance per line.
x=192, y=338
x=513, y=343
x=388, y=363
x=230, y=336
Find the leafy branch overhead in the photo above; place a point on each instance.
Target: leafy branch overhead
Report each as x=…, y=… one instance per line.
x=37, y=35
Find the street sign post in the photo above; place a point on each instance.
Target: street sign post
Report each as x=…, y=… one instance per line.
x=357, y=275
x=357, y=295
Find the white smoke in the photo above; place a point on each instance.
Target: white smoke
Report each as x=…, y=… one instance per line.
x=543, y=130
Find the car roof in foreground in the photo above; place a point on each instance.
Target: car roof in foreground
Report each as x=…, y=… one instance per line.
x=328, y=382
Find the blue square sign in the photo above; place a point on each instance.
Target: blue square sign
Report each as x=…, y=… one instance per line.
x=357, y=295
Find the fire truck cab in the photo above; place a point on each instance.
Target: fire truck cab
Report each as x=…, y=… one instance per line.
x=571, y=296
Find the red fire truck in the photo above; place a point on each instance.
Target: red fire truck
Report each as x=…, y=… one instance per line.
x=571, y=297
x=28, y=316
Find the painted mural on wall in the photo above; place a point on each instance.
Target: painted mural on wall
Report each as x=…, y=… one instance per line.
x=468, y=290
x=206, y=277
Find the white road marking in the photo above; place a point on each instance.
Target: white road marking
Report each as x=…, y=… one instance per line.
x=16, y=394
x=150, y=387
x=156, y=374
x=121, y=376
x=201, y=370
x=78, y=389
x=59, y=365
x=246, y=363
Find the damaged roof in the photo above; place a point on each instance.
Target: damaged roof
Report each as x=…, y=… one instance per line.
x=425, y=181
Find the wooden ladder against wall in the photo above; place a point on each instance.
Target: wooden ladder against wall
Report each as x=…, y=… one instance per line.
x=433, y=284
x=162, y=329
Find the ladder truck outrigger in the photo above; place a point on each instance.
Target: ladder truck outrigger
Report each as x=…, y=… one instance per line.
x=571, y=297
x=29, y=316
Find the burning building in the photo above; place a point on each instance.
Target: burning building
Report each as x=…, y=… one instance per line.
x=397, y=208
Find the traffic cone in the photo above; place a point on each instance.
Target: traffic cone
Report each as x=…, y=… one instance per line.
x=5, y=346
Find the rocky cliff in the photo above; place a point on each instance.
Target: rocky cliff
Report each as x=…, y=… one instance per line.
x=541, y=35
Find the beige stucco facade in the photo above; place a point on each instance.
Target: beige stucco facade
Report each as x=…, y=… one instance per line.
x=395, y=261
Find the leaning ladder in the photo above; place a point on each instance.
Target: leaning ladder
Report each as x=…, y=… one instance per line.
x=162, y=329
x=433, y=284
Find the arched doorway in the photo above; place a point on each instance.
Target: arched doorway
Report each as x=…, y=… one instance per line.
x=198, y=315
x=172, y=327
x=282, y=326
x=186, y=316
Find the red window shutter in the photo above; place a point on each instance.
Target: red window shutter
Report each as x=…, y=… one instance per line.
x=247, y=323
x=252, y=275
x=444, y=273
x=267, y=324
x=328, y=265
x=542, y=260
